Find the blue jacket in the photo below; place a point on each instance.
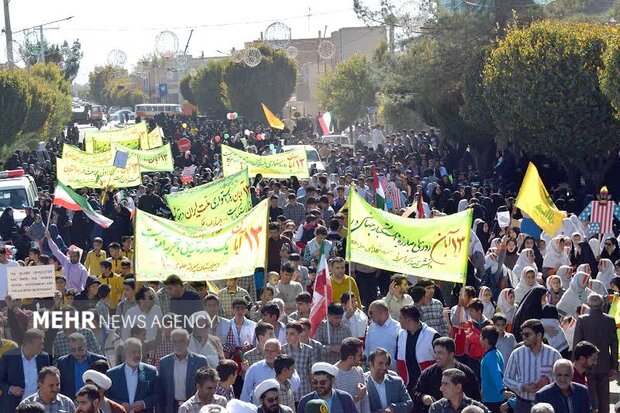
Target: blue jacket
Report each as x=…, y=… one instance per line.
x=578, y=397
x=166, y=376
x=492, y=376
x=148, y=390
x=12, y=374
x=395, y=391
x=341, y=403
x=66, y=366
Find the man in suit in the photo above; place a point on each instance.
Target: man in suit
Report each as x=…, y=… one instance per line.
x=563, y=391
x=323, y=375
x=384, y=390
x=19, y=370
x=178, y=371
x=74, y=365
x=135, y=385
x=599, y=329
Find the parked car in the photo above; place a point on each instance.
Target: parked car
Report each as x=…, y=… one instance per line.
x=337, y=140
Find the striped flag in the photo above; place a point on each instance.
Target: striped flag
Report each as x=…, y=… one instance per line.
x=321, y=296
x=378, y=188
x=66, y=198
x=603, y=215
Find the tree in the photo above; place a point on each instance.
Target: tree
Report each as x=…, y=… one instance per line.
x=609, y=76
x=72, y=55
x=271, y=82
x=61, y=94
x=15, y=101
x=348, y=90
x=209, y=91
x=186, y=90
x=100, y=78
x=541, y=85
x=41, y=108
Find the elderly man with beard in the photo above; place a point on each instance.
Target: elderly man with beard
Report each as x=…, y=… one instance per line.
x=266, y=396
x=562, y=394
x=177, y=371
x=135, y=385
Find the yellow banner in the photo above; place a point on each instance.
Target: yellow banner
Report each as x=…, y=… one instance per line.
x=534, y=199
x=165, y=247
x=150, y=160
x=85, y=175
x=433, y=248
x=214, y=204
x=153, y=139
x=272, y=119
x=282, y=165
x=101, y=141
x=73, y=154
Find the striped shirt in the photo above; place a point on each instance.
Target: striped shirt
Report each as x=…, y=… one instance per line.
x=348, y=380
x=304, y=357
x=524, y=366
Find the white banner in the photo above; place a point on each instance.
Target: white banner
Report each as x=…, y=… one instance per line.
x=31, y=282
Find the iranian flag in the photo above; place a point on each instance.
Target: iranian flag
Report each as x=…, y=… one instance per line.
x=378, y=188
x=321, y=296
x=67, y=198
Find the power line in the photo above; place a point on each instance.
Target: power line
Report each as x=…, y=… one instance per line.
x=200, y=26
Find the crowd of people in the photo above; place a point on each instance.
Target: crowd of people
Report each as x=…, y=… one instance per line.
x=528, y=332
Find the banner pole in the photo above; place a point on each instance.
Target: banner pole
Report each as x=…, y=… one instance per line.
x=49, y=215
x=326, y=313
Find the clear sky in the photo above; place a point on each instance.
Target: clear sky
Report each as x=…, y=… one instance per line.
x=132, y=26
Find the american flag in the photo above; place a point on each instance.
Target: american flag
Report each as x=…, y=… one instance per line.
x=594, y=228
x=321, y=296
x=601, y=214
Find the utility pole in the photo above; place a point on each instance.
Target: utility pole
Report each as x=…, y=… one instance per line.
x=9, y=35
x=41, y=45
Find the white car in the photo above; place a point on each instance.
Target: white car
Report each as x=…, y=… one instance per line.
x=311, y=152
x=342, y=140
x=18, y=191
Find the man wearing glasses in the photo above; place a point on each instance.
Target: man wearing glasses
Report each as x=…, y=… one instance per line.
x=267, y=394
x=530, y=367
x=74, y=365
x=143, y=315
x=338, y=401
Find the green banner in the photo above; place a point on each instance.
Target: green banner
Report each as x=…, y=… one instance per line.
x=77, y=174
x=282, y=165
x=434, y=248
x=101, y=141
x=213, y=204
x=165, y=247
x=150, y=160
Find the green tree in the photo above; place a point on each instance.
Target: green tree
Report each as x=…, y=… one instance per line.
x=71, y=55
x=41, y=108
x=186, y=90
x=348, y=90
x=474, y=109
x=209, y=90
x=61, y=107
x=542, y=87
x=15, y=102
x=99, y=80
x=271, y=82
x=609, y=76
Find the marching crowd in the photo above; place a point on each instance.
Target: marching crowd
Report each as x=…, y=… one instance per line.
x=528, y=332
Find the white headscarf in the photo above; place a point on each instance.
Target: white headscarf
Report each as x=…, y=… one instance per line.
x=555, y=256
x=595, y=246
x=579, y=227
x=598, y=287
x=504, y=306
x=463, y=204
x=523, y=288
x=522, y=262
x=605, y=273
x=576, y=294
x=564, y=274
x=489, y=308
